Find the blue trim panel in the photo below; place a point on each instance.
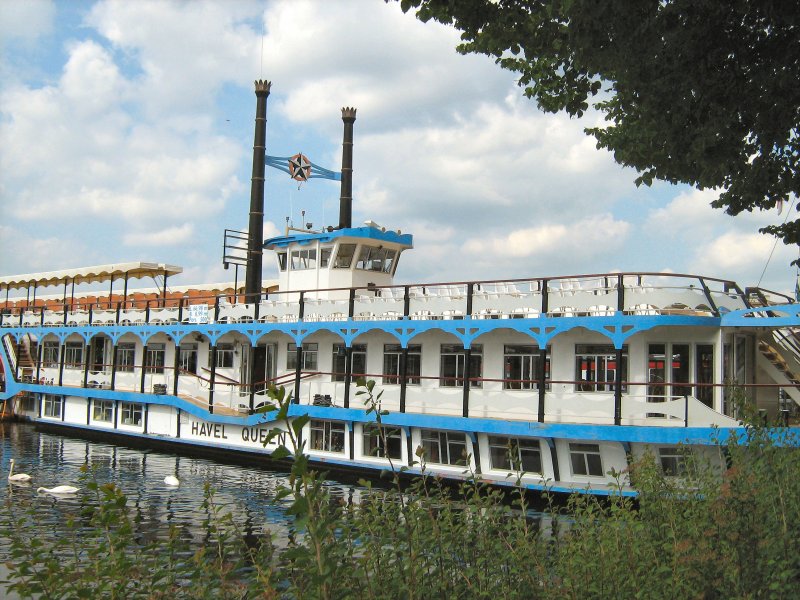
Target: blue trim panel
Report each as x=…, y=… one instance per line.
x=404, y=239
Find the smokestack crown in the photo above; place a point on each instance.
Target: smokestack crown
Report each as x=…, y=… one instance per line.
x=262, y=86
x=348, y=114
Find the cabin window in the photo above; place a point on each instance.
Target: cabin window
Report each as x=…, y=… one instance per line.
x=188, y=358
x=154, y=360
x=586, y=459
x=521, y=367
x=670, y=368
x=453, y=358
x=596, y=367
x=673, y=461
x=131, y=413
x=392, y=356
x=50, y=354
x=309, y=359
x=224, y=356
x=281, y=261
x=444, y=447
x=376, y=445
x=304, y=259
x=376, y=259
x=103, y=411
x=325, y=256
x=344, y=256
x=327, y=436
x=515, y=454
x=359, y=361
x=52, y=405
x=73, y=355
x=126, y=352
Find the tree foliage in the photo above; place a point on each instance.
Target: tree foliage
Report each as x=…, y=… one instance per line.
x=700, y=92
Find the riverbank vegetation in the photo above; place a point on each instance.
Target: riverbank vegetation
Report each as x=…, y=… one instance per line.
x=704, y=534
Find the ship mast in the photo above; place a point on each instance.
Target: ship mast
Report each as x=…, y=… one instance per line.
x=255, y=241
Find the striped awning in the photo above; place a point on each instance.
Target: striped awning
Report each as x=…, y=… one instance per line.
x=96, y=274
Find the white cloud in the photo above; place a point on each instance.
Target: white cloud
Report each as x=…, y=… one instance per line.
x=26, y=20
x=170, y=236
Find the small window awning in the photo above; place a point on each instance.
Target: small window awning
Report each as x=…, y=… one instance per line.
x=96, y=274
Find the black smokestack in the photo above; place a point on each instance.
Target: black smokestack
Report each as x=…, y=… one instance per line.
x=255, y=236
x=346, y=198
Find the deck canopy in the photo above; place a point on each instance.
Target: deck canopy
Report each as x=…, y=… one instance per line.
x=96, y=274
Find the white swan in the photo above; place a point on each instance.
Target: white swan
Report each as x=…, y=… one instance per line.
x=19, y=477
x=171, y=480
x=59, y=489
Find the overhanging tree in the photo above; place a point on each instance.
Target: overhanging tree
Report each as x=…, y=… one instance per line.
x=702, y=92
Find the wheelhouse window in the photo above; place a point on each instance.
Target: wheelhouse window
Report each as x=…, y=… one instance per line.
x=359, y=361
x=325, y=256
x=126, y=352
x=515, y=454
x=451, y=368
x=376, y=445
x=596, y=367
x=392, y=361
x=586, y=459
x=344, y=256
x=73, y=355
x=224, y=358
x=50, y=354
x=376, y=259
x=103, y=410
x=131, y=413
x=304, y=259
x=521, y=367
x=308, y=360
x=154, y=360
x=281, y=261
x=327, y=436
x=52, y=405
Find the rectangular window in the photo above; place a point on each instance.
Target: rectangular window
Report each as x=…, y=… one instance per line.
x=309, y=360
x=126, y=352
x=154, y=361
x=375, y=259
x=103, y=410
x=187, y=360
x=304, y=259
x=359, y=361
x=52, y=405
x=515, y=454
x=344, y=256
x=596, y=367
x=586, y=459
x=444, y=447
x=375, y=445
x=73, y=355
x=521, y=368
x=704, y=373
x=451, y=368
x=131, y=413
x=327, y=436
x=673, y=461
x=281, y=261
x=224, y=356
x=50, y=354
x=325, y=257
x=392, y=356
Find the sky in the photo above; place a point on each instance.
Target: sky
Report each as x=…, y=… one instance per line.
x=126, y=134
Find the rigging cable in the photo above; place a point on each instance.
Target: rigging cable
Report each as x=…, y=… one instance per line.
x=788, y=212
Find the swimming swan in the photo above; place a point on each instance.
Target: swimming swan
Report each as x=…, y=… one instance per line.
x=19, y=477
x=171, y=480
x=59, y=489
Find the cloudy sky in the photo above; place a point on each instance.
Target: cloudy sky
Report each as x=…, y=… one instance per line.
x=126, y=133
